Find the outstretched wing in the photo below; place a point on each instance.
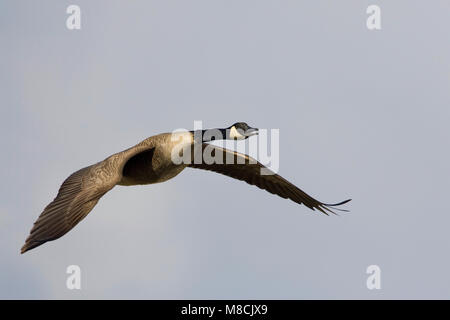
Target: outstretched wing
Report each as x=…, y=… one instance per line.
x=242, y=167
x=78, y=194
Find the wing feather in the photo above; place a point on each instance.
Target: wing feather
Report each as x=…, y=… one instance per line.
x=76, y=197
x=248, y=169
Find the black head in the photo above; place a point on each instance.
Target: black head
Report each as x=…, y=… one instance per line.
x=241, y=130
x=240, y=125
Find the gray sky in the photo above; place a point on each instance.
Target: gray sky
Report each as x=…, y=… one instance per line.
x=362, y=114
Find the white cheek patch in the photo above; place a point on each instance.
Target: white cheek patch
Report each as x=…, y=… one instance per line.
x=234, y=134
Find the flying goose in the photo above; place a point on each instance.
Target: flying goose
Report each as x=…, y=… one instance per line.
x=151, y=161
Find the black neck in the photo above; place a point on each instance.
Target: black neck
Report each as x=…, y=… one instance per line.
x=210, y=134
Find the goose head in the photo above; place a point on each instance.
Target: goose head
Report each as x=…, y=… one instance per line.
x=240, y=131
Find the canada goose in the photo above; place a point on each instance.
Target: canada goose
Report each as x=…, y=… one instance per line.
x=151, y=161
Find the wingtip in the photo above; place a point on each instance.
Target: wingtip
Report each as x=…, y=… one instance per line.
x=25, y=248
x=337, y=204
x=333, y=205
x=29, y=245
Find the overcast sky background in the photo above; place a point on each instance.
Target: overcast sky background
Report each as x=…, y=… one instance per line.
x=362, y=114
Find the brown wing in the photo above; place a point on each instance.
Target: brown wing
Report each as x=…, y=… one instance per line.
x=242, y=167
x=78, y=194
